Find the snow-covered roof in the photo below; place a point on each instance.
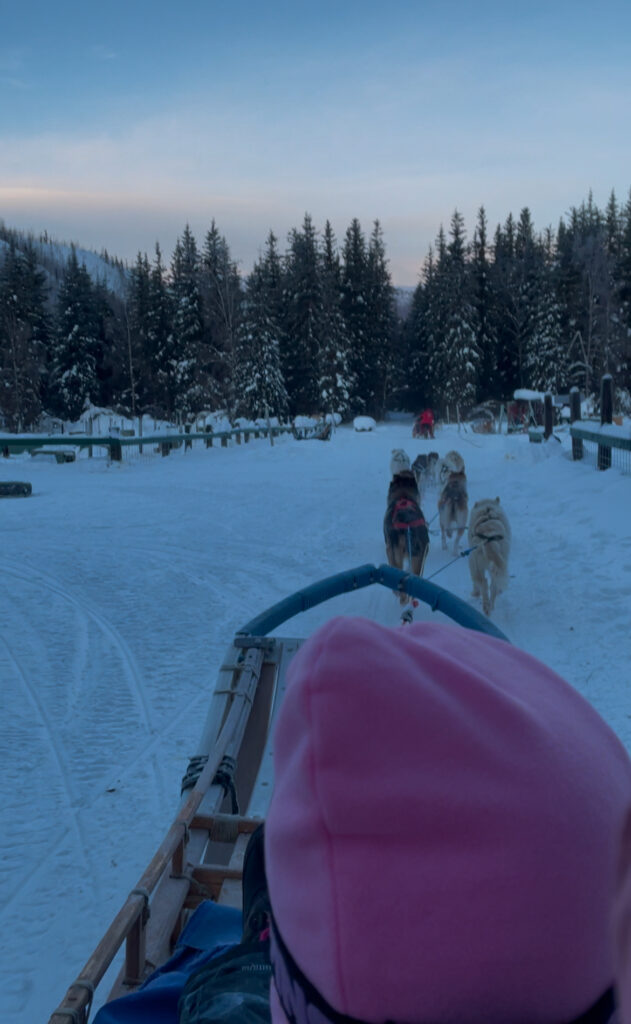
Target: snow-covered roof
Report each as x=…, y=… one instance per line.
x=526, y=395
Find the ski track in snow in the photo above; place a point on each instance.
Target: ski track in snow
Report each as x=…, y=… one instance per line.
x=124, y=585
x=131, y=672
x=60, y=761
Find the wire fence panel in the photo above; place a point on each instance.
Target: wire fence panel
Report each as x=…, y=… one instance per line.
x=601, y=449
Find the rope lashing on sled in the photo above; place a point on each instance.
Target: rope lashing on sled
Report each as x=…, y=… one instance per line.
x=73, y=1013
x=224, y=777
x=193, y=772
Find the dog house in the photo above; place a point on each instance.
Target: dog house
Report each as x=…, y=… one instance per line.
x=525, y=410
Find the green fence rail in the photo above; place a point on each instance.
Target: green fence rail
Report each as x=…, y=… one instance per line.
x=611, y=450
x=17, y=444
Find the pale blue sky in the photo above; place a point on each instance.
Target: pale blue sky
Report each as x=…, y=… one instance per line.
x=120, y=123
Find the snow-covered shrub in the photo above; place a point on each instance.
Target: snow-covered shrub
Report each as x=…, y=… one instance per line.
x=364, y=423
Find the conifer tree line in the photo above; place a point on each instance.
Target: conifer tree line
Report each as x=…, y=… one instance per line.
x=315, y=328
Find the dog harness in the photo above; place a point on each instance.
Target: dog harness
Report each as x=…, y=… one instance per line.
x=406, y=514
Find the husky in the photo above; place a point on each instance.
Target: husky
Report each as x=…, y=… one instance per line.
x=404, y=527
x=452, y=462
x=399, y=461
x=424, y=469
x=490, y=536
x=453, y=508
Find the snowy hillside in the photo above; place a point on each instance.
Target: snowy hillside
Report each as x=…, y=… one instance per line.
x=57, y=253
x=123, y=586
x=52, y=257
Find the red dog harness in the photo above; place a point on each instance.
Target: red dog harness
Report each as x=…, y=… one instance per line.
x=406, y=514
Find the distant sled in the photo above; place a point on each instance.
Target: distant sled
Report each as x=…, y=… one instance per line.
x=226, y=792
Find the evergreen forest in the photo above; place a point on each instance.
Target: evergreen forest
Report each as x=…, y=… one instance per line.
x=318, y=327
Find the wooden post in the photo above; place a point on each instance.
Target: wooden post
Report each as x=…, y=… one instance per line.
x=575, y=416
x=238, y=438
x=548, y=416
x=224, y=442
x=246, y=437
x=116, y=450
x=165, y=448
x=188, y=443
x=208, y=430
x=140, y=434
x=270, y=432
x=606, y=416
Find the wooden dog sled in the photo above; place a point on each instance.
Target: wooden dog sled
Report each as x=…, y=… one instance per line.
x=227, y=788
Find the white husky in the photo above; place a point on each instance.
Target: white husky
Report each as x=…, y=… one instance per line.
x=489, y=533
x=399, y=461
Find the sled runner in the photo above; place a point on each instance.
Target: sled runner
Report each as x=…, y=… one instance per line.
x=227, y=788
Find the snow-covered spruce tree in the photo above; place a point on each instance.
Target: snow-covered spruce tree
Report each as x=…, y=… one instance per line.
x=503, y=281
x=381, y=322
x=453, y=358
x=111, y=352
x=137, y=395
x=356, y=311
x=187, y=331
x=482, y=301
x=524, y=294
x=623, y=294
x=434, y=323
x=545, y=360
x=222, y=296
x=462, y=358
x=160, y=342
x=305, y=320
x=23, y=336
x=590, y=295
x=258, y=380
x=335, y=382
x=414, y=388
x=73, y=378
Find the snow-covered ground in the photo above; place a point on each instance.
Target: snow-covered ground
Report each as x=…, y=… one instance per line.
x=123, y=584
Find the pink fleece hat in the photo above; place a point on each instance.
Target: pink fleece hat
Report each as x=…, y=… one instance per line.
x=622, y=925
x=442, y=837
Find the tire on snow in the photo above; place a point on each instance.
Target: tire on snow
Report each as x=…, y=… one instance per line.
x=15, y=489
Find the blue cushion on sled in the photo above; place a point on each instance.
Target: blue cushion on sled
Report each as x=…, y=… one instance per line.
x=211, y=930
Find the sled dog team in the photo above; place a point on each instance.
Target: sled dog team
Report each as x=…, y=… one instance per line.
x=406, y=531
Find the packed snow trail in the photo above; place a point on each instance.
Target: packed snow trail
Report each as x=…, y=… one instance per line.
x=124, y=584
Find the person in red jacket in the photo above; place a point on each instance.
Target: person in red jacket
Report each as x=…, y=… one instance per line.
x=427, y=423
